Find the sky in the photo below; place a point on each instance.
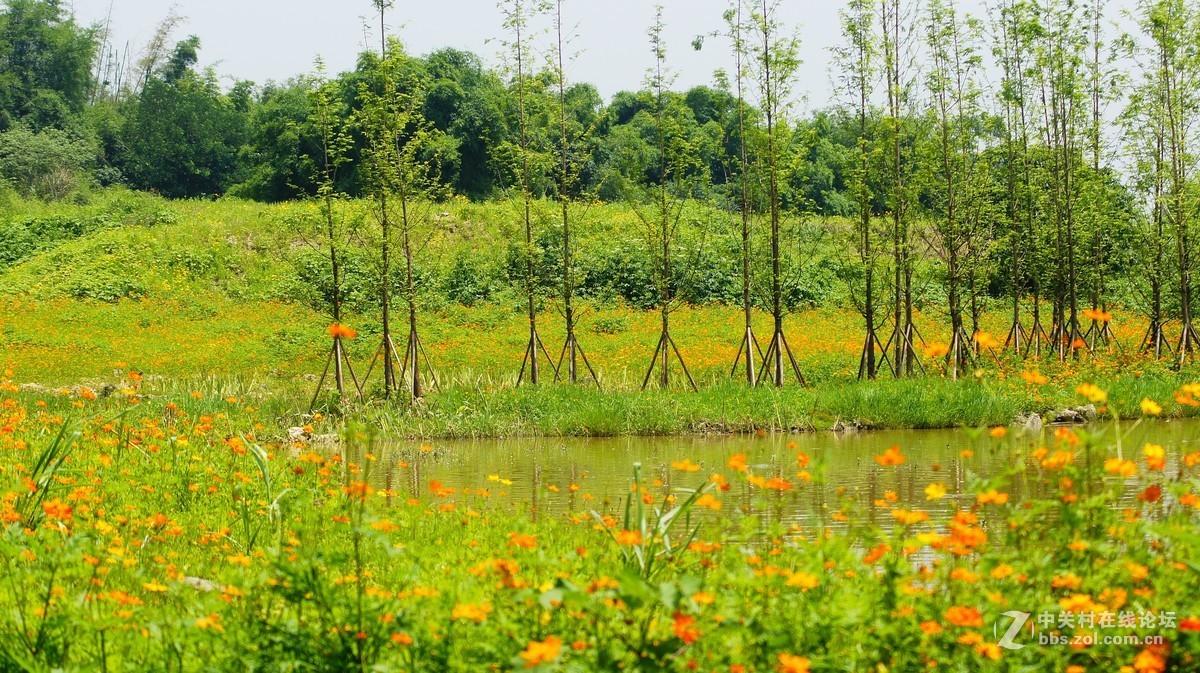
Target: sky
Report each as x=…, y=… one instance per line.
x=263, y=40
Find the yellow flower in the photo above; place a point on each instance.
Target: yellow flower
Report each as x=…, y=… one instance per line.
x=1150, y=407
x=154, y=587
x=1092, y=392
x=935, y=491
x=803, y=580
x=1156, y=456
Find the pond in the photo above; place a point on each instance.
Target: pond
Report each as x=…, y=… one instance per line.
x=557, y=476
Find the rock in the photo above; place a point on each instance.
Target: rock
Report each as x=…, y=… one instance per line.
x=326, y=440
x=297, y=435
x=1080, y=414
x=1028, y=422
x=852, y=425
x=200, y=584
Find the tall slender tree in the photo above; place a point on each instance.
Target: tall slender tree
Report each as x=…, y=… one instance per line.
x=516, y=21
x=895, y=27
x=857, y=63
x=568, y=181
x=661, y=207
x=334, y=146
x=775, y=58
x=749, y=346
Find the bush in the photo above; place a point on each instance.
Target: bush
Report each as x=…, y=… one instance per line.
x=49, y=164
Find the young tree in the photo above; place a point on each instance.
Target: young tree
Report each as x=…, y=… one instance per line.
x=857, y=61
x=658, y=194
x=1144, y=125
x=402, y=181
x=952, y=163
x=334, y=146
x=775, y=56
x=570, y=146
x=1171, y=26
x=516, y=21
x=734, y=19
x=895, y=28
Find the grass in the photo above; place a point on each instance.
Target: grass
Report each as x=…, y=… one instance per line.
x=175, y=534
x=180, y=291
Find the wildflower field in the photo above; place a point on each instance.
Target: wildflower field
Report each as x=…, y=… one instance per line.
x=177, y=532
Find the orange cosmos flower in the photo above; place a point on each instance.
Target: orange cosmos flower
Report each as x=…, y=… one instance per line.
x=737, y=462
x=522, y=540
x=960, y=615
x=1156, y=456
x=538, y=653
x=936, y=350
x=1150, y=407
x=338, y=330
x=790, y=663
x=891, y=457
x=629, y=537
x=1124, y=468
x=992, y=497
x=477, y=613
x=1097, y=315
x=57, y=509
x=685, y=628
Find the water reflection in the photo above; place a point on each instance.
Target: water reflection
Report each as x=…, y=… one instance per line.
x=567, y=476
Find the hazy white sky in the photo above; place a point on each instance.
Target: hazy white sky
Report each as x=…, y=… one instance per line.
x=263, y=40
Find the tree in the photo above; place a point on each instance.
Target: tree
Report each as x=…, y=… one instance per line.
x=894, y=30
x=334, y=144
x=516, y=21
x=951, y=161
x=857, y=63
x=45, y=64
x=182, y=134
x=570, y=148
x=675, y=171
x=775, y=60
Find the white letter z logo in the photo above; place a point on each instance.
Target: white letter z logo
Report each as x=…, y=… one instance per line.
x=1019, y=619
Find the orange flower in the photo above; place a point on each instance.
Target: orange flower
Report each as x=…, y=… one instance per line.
x=477, y=613
x=57, y=509
x=1097, y=315
x=890, y=457
x=1035, y=377
x=538, y=653
x=1124, y=468
x=685, y=465
x=790, y=663
x=737, y=462
x=522, y=540
x=986, y=340
x=685, y=628
x=1190, y=624
x=992, y=497
x=964, y=616
x=936, y=350
x=629, y=537
x=1156, y=456
x=338, y=330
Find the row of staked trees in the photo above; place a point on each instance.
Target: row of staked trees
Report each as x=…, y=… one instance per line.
x=1037, y=153
x=1018, y=173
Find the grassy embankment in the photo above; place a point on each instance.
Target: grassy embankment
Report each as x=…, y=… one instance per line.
x=221, y=296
